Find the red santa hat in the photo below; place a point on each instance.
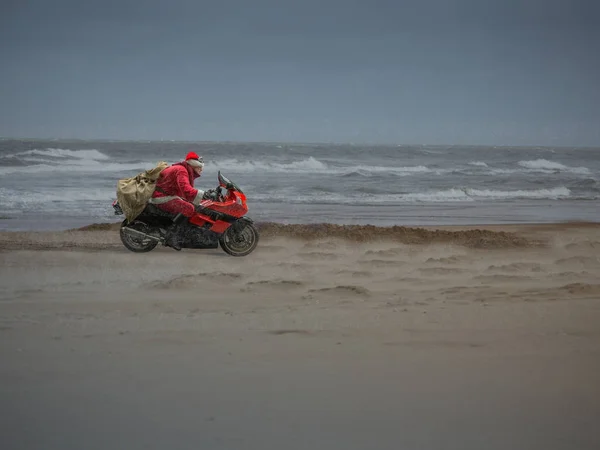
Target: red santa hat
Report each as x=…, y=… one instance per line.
x=194, y=160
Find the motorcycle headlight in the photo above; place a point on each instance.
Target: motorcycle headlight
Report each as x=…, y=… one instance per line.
x=238, y=201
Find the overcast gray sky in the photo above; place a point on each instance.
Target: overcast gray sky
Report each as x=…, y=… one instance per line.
x=431, y=71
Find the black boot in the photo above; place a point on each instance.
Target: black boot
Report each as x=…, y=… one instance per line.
x=173, y=237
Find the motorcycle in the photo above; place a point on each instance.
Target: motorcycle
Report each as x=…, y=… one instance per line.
x=218, y=220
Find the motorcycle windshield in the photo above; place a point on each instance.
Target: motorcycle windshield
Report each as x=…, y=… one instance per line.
x=224, y=181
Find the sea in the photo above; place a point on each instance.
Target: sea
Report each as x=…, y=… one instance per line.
x=64, y=184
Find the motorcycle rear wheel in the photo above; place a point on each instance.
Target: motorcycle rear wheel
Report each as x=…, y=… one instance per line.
x=134, y=243
x=241, y=242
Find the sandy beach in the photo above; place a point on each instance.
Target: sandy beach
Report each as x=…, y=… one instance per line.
x=326, y=337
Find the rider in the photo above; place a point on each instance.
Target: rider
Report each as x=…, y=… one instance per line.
x=175, y=193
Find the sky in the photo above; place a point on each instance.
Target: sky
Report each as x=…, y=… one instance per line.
x=497, y=72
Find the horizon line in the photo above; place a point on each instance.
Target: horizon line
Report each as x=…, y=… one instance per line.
x=366, y=143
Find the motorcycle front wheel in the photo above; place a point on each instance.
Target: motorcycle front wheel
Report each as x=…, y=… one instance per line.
x=137, y=243
x=241, y=242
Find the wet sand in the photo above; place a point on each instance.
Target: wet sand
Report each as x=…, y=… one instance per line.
x=325, y=337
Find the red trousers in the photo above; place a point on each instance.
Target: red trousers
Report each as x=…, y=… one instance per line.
x=176, y=206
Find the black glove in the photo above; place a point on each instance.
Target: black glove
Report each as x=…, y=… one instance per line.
x=210, y=194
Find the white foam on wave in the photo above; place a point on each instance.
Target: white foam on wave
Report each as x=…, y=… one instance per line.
x=442, y=196
x=397, y=171
x=404, y=170
x=58, y=160
x=448, y=195
x=85, y=166
x=431, y=152
x=311, y=165
x=27, y=200
x=478, y=164
x=469, y=194
x=543, y=165
x=551, y=194
x=62, y=153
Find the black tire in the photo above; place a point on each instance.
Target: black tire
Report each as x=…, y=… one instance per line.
x=241, y=242
x=135, y=244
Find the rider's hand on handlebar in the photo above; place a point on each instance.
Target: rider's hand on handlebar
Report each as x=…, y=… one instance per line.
x=211, y=194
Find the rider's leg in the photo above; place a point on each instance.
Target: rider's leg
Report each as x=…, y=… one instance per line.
x=184, y=210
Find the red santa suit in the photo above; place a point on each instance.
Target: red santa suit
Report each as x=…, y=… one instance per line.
x=175, y=192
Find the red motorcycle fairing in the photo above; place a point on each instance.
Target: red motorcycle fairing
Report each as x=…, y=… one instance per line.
x=232, y=207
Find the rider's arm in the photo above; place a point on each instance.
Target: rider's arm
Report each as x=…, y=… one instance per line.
x=198, y=197
x=190, y=193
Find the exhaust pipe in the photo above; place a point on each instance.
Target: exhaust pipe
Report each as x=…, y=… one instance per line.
x=139, y=233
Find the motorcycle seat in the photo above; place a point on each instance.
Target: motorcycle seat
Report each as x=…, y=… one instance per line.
x=153, y=210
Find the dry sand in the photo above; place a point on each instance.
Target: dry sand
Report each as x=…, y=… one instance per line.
x=326, y=338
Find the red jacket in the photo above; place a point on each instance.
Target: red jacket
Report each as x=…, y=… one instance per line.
x=178, y=180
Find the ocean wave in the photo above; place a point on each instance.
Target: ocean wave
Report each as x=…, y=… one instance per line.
x=11, y=198
x=431, y=152
x=313, y=165
x=10, y=161
x=441, y=196
x=587, y=184
x=448, y=195
x=367, y=171
x=310, y=164
x=62, y=153
x=543, y=165
x=86, y=166
x=58, y=160
x=356, y=173
x=403, y=170
x=469, y=195
x=478, y=164
x=552, y=194
x=369, y=190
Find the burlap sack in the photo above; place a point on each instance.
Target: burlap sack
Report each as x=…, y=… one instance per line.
x=133, y=193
